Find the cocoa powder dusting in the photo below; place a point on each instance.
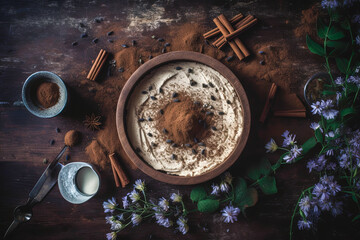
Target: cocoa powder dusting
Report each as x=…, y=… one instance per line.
x=308, y=22
x=47, y=94
x=97, y=154
x=184, y=121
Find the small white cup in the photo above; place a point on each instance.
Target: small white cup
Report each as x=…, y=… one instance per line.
x=78, y=182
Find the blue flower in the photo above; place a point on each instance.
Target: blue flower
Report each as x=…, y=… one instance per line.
x=165, y=222
x=109, y=219
x=304, y=224
x=326, y=109
x=344, y=161
x=320, y=192
x=116, y=226
x=337, y=209
x=230, y=214
x=111, y=236
x=271, y=146
x=134, y=196
x=295, y=151
x=358, y=39
x=315, y=126
x=139, y=185
x=110, y=205
x=136, y=219
x=164, y=204
x=339, y=80
x=325, y=205
x=289, y=139
x=330, y=4
x=311, y=165
x=182, y=225
x=316, y=108
x=355, y=80
x=176, y=197
x=215, y=189
x=305, y=204
x=224, y=187
x=331, y=166
x=125, y=202
x=329, y=152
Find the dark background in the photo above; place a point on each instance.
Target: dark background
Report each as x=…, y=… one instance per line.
x=37, y=35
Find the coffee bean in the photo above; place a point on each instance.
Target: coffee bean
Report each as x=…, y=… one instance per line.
x=197, y=103
x=261, y=52
x=165, y=131
x=149, y=119
x=160, y=90
x=161, y=111
x=141, y=119
x=95, y=40
x=81, y=25
x=110, y=33
x=200, y=121
x=178, y=68
x=221, y=113
x=190, y=70
x=214, y=128
x=196, y=140
x=153, y=97
x=144, y=92
x=163, y=50
x=169, y=141
x=193, y=151
x=121, y=70
x=75, y=43
x=262, y=62
x=230, y=58
x=150, y=88
x=211, y=84
x=110, y=40
x=57, y=130
x=174, y=95
x=209, y=113
x=173, y=156
x=201, y=144
x=133, y=42
x=167, y=45
x=124, y=45
x=192, y=82
x=84, y=35
x=140, y=61
x=204, y=85
x=213, y=98
x=176, y=100
x=174, y=145
x=187, y=145
x=228, y=101
x=67, y=157
x=150, y=56
x=52, y=142
x=161, y=39
x=203, y=152
x=45, y=160
x=153, y=144
x=149, y=134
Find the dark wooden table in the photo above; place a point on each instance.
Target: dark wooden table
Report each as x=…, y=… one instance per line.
x=37, y=35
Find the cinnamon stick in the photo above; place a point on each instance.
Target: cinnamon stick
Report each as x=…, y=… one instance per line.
x=290, y=113
x=116, y=177
x=98, y=69
x=268, y=103
x=96, y=62
x=216, y=30
x=224, y=31
x=120, y=172
x=230, y=29
x=222, y=41
x=240, y=29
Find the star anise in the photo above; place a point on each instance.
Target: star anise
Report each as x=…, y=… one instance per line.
x=92, y=122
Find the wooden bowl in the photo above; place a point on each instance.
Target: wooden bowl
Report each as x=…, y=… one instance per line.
x=139, y=74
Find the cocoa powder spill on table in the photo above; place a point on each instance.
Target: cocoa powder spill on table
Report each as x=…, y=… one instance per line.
x=184, y=121
x=308, y=22
x=47, y=94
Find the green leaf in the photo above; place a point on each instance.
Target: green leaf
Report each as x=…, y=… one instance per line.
x=240, y=189
x=319, y=136
x=198, y=193
x=268, y=185
x=354, y=198
x=356, y=218
x=347, y=111
x=328, y=92
x=250, y=198
x=208, y=205
x=261, y=169
x=342, y=64
x=308, y=145
x=335, y=33
x=340, y=47
x=321, y=28
x=314, y=47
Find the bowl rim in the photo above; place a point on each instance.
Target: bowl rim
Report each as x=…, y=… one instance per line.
x=58, y=80
x=157, y=62
x=312, y=78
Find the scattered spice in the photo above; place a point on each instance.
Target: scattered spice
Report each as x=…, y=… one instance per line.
x=45, y=160
x=52, y=142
